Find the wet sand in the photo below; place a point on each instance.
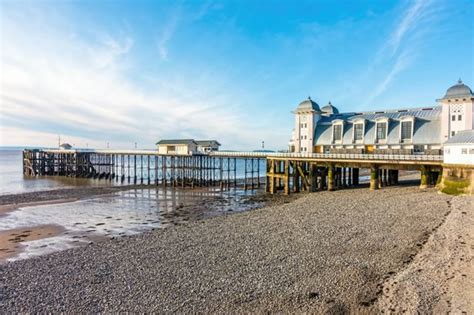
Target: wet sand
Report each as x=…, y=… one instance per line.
x=98, y=217
x=11, y=240
x=12, y=201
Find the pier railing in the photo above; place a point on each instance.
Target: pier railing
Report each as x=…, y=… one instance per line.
x=251, y=154
x=342, y=156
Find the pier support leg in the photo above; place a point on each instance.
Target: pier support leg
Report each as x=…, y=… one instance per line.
x=424, y=177
x=374, y=178
x=287, y=177
x=379, y=177
x=385, y=177
x=355, y=176
x=331, y=178
x=323, y=178
x=313, y=175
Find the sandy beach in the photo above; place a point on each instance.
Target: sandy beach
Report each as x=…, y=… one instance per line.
x=399, y=249
x=10, y=241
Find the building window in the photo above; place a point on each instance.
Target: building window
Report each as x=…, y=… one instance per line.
x=381, y=131
x=459, y=117
x=337, y=132
x=447, y=151
x=464, y=151
x=358, y=131
x=453, y=118
x=471, y=151
x=453, y=133
x=406, y=130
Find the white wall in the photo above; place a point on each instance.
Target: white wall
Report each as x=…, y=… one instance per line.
x=303, y=136
x=463, y=108
x=182, y=149
x=453, y=153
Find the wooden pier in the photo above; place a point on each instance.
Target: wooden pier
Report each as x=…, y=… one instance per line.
x=286, y=172
x=147, y=167
x=326, y=171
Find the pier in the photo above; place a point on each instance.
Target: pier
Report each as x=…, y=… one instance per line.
x=285, y=172
x=147, y=167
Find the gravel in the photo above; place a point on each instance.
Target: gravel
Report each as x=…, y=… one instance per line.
x=323, y=252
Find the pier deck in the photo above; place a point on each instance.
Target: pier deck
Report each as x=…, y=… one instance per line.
x=288, y=172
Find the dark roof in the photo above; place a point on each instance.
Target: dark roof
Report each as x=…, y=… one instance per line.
x=465, y=136
x=308, y=104
x=458, y=90
x=176, y=141
x=207, y=142
x=65, y=145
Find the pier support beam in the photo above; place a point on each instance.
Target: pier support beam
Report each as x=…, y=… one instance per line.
x=331, y=178
x=287, y=177
x=385, y=177
x=323, y=178
x=374, y=178
x=424, y=177
x=355, y=176
x=313, y=175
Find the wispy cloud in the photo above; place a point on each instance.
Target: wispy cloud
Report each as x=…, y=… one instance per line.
x=402, y=47
x=411, y=19
x=166, y=35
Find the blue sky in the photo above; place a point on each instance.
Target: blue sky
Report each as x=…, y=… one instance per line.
x=120, y=72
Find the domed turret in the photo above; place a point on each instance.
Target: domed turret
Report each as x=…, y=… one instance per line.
x=308, y=105
x=329, y=109
x=458, y=90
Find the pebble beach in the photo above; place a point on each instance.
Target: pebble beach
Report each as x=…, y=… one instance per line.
x=327, y=252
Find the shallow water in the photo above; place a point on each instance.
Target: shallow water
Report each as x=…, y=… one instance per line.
x=123, y=213
x=12, y=180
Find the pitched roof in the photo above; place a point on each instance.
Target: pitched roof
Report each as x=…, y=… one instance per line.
x=422, y=112
x=176, y=141
x=426, y=129
x=465, y=136
x=207, y=142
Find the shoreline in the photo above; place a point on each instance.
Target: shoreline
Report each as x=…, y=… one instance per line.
x=269, y=255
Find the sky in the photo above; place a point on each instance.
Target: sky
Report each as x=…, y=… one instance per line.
x=114, y=73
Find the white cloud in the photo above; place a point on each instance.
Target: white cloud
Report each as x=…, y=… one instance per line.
x=53, y=81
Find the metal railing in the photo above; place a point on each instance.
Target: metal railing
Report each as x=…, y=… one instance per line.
x=250, y=154
x=342, y=156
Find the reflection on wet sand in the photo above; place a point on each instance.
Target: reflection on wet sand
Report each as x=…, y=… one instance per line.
x=120, y=214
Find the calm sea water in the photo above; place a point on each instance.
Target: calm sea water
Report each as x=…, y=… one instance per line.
x=12, y=180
